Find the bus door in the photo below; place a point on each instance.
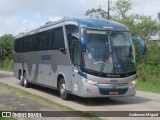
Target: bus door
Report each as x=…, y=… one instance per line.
x=76, y=60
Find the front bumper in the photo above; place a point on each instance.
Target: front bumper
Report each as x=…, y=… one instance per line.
x=88, y=90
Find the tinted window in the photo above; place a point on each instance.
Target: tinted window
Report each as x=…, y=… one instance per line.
x=58, y=38
x=69, y=30
x=32, y=40
x=47, y=40
x=15, y=45
x=18, y=45
x=25, y=45
x=39, y=41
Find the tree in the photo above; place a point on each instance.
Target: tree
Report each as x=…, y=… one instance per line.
x=120, y=13
x=1, y=48
x=121, y=8
x=140, y=25
x=6, y=47
x=97, y=13
x=49, y=22
x=145, y=26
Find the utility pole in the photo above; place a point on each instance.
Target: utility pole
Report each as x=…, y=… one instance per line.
x=108, y=9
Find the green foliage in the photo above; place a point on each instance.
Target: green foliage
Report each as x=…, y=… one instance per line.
x=6, y=65
x=147, y=86
x=97, y=13
x=149, y=65
x=120, y=9
x=144, y=26
x=6, y=52
x=140, y=25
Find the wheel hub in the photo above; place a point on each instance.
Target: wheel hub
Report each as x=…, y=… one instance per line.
x=63, y=88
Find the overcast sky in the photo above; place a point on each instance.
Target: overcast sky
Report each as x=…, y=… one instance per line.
x=20, y=15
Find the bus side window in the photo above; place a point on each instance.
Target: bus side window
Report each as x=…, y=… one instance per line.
x=16, y=44
x=58, y=39
x=40, y=39
x=31, y=43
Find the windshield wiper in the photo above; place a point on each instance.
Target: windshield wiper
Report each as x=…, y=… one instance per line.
x=98, y=62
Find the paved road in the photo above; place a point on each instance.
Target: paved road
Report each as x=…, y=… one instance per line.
x=143, y=101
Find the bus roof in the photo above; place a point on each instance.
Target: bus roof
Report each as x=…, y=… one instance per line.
x=92, y=23
x=84, y=22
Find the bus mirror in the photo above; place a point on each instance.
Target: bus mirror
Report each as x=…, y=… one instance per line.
x=142, y=44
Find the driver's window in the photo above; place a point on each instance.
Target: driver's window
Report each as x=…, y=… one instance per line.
x=76, y=53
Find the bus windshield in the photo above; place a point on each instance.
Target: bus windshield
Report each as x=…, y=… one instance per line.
x=108, y=51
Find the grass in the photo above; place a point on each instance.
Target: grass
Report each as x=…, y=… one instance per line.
x=8, y=118
x=6, y=109
x=6, y=69
x=6, y=65
x=147, y=86
x=50, y=103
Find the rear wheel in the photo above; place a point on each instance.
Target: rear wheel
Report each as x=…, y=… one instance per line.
x=21, y=79
x=25, y=82
x=62, y=89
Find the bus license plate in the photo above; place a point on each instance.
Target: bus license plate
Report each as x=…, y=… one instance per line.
x=113, y=93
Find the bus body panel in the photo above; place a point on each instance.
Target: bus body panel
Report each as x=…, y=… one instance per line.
x=43, y=66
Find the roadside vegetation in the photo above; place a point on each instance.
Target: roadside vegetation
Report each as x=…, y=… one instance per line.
x=6, y=52
x=149, y=70
x=8, y=119
x=140, y=25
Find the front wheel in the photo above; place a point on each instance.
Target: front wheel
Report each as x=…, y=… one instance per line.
x=62, y=90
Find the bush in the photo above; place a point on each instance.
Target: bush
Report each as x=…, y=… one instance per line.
x=6, y=65
x=149, y=65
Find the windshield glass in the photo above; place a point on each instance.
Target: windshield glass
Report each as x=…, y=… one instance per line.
x=108, y=52
x=97, y=51
x=123, y=52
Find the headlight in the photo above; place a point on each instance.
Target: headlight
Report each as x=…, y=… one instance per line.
x=133, y=82
x=91, y=82
x=83, y=79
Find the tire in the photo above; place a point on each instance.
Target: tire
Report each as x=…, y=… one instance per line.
x=21, y=79
x=62, y=89
x=25, y=82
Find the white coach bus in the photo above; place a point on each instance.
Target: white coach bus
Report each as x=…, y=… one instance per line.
x=79, y=56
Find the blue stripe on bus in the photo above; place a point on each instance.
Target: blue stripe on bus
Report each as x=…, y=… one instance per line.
x=82, y=74
x=105, y=91
x=46, y=57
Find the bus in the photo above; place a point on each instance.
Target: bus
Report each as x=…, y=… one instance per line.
x=85, y=57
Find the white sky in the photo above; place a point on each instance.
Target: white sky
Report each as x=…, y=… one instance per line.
x=20, y=15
